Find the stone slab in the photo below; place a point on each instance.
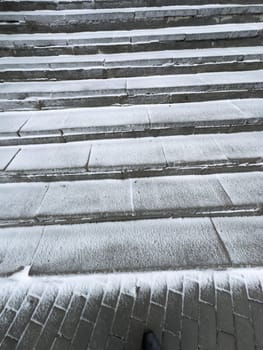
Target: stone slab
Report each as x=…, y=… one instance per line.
x=243, y=238
x=243, y=188
x=11, y=122
x=63, y=88
x=192, y=149
x=169, y=194
x=20, y=201
x=56, y=157
x=17, y=247
x=245, y=107
x=6, y=156
x=129, y=154
x=87, y=120
x=128, y=246
x=242, y=145
x=87, y=198
x=195, y=112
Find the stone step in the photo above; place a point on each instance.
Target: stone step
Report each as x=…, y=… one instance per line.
x=160, y=244
x=78, y=124
x=221, y=35
x=73, y=67
x=172, y=155
x=129, y=18
x=30, y=5
x=139, y=90
x=230, y=194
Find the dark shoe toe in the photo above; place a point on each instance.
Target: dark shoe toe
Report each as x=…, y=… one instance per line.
x=150, y=341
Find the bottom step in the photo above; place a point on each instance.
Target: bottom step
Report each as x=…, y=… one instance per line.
x=160, y=244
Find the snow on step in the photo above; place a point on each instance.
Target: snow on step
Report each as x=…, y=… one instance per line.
x=104, y=19
x=78, y=201
x=154, y=58
x=157, y=244
x=173, y=154
x=24, y=5
x=36, y=95
x=95, y=42
x=128, y=65
x=125, y=121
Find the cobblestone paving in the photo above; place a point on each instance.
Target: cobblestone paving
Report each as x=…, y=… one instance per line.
x=188, y=310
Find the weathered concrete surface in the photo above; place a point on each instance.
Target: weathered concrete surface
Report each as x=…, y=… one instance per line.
x=109, y=312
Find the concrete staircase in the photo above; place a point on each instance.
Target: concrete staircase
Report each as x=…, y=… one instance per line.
x=131, y=140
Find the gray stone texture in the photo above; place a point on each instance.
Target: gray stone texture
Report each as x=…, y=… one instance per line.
x=131, y=174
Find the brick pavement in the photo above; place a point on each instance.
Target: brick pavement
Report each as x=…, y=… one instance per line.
x=188, y=310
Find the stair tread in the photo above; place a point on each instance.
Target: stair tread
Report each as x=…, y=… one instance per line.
x=158, y=244
x=191, y=154
x=112, y=122
x=124, y=35
x=192, y=195
x=133, y=58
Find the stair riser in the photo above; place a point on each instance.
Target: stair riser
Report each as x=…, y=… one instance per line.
x=118, y=72
x=19, y=51
x=86, y=24
x=77, y=219
x=244, y=125
x=206, y=168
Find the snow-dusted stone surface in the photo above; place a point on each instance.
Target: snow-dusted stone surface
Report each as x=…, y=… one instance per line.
x=6, y=155
x=242, y=238
x=150, y=197
x=18, y=247
x=141, y=245
x=143, y=17
x=92, y=199
x=131, y=156
x=21, y=202
x=160, y=244
x=134, y=40
x=65, y=67
x=113, y=122
x=23, y=5
x=240, y=194
x=53, y=157
x=134, y=90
